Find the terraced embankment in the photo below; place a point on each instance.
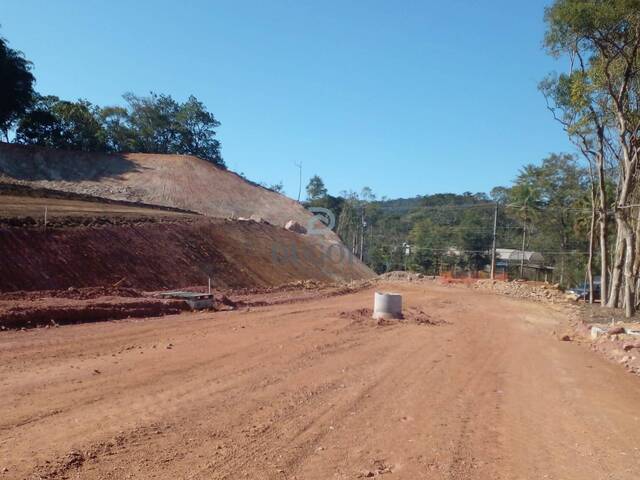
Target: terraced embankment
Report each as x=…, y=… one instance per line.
x=151, y=254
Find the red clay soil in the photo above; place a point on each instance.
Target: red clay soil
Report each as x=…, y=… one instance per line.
x=46, y=308
x=303, y=391
x=62, y=311
x=154, y=256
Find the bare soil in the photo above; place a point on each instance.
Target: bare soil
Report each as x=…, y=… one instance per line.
x=171, y=250
x=313, y=390
x=52, y=308
x=177, y=181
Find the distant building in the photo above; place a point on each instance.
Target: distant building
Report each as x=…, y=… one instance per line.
x=511, y=258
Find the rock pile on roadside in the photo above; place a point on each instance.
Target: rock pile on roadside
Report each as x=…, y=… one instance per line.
x=619, y=342
x=527, y=290
x=398, y=276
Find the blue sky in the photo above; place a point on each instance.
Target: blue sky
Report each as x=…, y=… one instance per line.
x=406, y=97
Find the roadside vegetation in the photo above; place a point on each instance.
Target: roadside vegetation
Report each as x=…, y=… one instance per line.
x=546, y=209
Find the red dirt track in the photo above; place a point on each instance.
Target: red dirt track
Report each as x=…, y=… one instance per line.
x=479, y=389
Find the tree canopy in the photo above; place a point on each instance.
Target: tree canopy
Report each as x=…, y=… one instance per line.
x=16, y=86
x=155, y=123
x=152, y=124
x=597, y=101
x=316, y=189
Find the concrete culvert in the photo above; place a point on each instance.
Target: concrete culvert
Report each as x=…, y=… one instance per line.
x=387, y=305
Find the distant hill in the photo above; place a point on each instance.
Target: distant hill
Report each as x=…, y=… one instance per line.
x=406, y=205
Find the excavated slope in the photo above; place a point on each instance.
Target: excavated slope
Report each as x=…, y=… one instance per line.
x=152, y=255
x=179, y=181
x=82, y=251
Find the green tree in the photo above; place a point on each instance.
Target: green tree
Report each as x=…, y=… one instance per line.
x=118, y=136
x=16, y=86
x=316, y=189
x=159, y=124
x=56, y=123
x=277, y=187
x=602, y=38
x=547, y=201
x=430, y=241
x=197, y=131
x=474, y=239
x=153, y=122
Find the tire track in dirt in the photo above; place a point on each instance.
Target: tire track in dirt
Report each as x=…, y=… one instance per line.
x=303, y=392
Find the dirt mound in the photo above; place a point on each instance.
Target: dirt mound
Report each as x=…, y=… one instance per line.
x=155, y=256
x=177, y=181
x=73, y=293
x=52, y=312
x=400, y=276
x=410, y=315
x=153, y=249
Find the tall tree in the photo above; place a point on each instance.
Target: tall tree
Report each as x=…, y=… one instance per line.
x=549, y=195
x=16, y=86
x=159, y=124
x=197, y=128
x=316, y=189
x=153, y=121
x=604, y=38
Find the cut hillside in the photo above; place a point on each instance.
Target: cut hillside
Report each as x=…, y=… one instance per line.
x=178, y=181
x=155, y=253
x=157, y=221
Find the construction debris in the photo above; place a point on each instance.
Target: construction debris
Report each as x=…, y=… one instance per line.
x=400, y=276
x=528, y=290
x=195, y=300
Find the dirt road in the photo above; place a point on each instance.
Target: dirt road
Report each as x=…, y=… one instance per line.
x=314, y=390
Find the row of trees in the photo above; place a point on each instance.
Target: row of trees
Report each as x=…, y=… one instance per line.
x=546, y=209
x=597, y=101
x=558, y=207
x=149, y=124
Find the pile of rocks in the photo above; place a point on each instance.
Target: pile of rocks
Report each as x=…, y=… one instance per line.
x=295, y=227
x=619, y=342
x=519, y=289
x=400, y=276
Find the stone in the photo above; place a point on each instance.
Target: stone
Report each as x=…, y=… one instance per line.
x=295, y=227
x=616, y=330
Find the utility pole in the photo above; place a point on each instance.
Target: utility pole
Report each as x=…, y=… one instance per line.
x=299, y=165
x=493, y=246
x=363, y=226
x=524, y=239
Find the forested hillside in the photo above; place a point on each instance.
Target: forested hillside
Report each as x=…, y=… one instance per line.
x=546, y=209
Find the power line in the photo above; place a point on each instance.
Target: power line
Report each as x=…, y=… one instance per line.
x=457, y=250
